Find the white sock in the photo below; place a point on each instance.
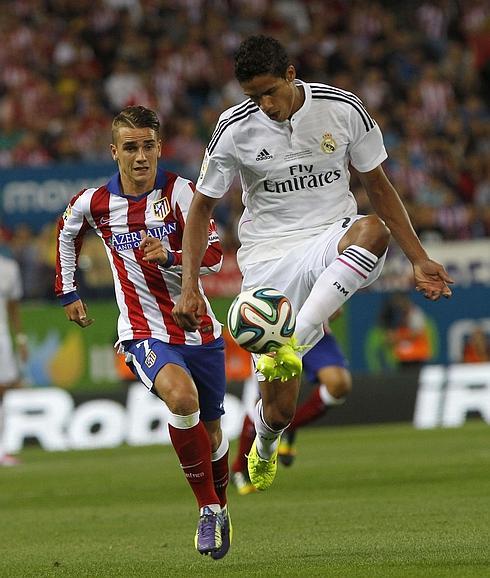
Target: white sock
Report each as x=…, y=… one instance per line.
x=327, y=398
x=340, y=280
x=221, y=451
x=183, y=421
x=267, y=439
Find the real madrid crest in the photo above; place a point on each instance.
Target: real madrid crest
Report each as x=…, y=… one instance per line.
x=161, y=208
x=328, y=145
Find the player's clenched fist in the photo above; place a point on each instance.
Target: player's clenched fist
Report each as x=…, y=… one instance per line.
x=153, y=250
x=77, y=312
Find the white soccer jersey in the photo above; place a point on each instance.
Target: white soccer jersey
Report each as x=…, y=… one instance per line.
x=145, y=292
x=294, y=174
x=10, y=289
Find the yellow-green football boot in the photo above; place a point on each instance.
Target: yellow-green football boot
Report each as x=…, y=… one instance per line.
x=285, y=364
x=261, y=472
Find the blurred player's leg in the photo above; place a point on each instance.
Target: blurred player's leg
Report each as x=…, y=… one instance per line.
x=321, y=399
x=239, y=476
x=9, y=379
x=313, y=408
x=6, y=460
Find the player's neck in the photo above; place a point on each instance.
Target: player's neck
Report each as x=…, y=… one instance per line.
x=135, y=189
x=298, y=99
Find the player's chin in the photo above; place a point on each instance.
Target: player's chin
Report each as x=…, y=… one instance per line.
x=141, y=174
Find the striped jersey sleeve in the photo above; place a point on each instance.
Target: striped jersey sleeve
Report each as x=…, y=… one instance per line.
x=72, y=227
x=181, y=199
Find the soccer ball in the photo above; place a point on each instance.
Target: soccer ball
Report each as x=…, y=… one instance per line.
x=261, y=320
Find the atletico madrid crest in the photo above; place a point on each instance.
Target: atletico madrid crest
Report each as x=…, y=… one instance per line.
x=328, y=145
x=161, y=208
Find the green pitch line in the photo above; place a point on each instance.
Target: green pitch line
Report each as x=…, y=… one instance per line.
x=367, y=502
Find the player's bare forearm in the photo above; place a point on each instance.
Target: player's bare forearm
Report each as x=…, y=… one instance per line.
x=431, y=279
x=389, y=207
x=190, y=308
x=195, y=239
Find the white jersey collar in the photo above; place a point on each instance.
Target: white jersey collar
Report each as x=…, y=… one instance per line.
x=299, y=114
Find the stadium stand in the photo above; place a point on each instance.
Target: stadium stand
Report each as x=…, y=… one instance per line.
x=422, y=69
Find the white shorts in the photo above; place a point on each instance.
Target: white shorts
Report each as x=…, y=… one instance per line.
x=295, y=273
x=9, y=371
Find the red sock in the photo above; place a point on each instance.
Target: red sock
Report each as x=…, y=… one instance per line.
x=311, y=409
x=221, y=476
x=194, y=452
x=247, y=437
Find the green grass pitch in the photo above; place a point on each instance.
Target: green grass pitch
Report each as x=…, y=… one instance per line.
x=366, y=501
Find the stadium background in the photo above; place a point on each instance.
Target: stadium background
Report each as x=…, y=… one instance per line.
x=423, y=70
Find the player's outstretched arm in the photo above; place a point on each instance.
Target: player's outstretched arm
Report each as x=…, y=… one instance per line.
x=77, y=312
x=431, y=279
x=191, y=307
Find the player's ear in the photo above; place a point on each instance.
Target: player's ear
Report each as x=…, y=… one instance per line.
x=290, y=73
x=114, y=152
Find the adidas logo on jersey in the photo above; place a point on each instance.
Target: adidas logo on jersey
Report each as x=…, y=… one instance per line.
x=264, y=155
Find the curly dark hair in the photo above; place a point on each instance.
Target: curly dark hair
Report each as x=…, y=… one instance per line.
x=136, y=117
x=259, y=55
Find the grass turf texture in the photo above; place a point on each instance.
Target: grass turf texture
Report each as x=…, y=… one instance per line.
x=374, y=501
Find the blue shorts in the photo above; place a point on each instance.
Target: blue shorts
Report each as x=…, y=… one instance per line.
x=326, y=352
x=204, y=363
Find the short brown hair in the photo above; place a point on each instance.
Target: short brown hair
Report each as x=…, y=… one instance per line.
x=136, y=117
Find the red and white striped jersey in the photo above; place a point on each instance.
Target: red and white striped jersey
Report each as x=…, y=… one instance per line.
x=145, y=292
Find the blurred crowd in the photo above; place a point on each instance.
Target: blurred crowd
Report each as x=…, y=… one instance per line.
x=422, y=69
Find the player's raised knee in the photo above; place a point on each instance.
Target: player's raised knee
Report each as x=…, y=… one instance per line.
x=374, y=233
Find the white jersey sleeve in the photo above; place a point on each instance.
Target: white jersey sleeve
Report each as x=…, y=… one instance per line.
x=219, y=165
x=366, y=150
